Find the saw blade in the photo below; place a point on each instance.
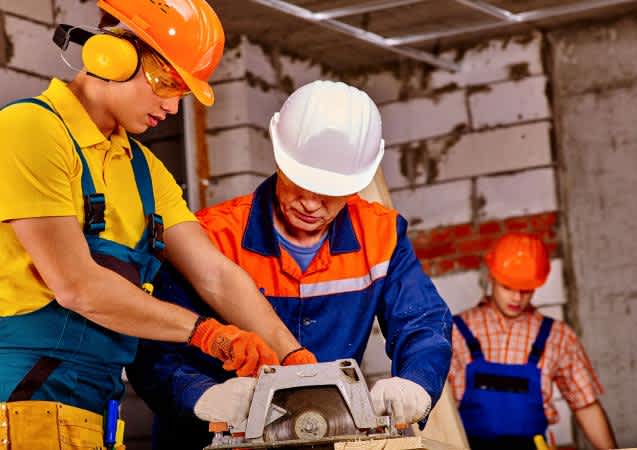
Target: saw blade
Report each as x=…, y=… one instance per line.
x=314, y=413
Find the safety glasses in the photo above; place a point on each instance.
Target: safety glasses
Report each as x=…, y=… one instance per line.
x=160, y=75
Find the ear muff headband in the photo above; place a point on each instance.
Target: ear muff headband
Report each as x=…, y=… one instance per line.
x=107, y=56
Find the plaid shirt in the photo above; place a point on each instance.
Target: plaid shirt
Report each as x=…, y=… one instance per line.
x=509, y=341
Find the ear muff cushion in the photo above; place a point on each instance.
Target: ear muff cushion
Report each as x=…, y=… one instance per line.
x=110, y=57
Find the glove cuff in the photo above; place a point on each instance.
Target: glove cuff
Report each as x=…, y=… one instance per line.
x=300, y=355
x=202, y=333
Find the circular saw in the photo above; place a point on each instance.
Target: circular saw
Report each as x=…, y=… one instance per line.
x=310, y=405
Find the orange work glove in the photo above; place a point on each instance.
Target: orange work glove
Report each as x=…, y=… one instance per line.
x=239, y=350
x=299, y=356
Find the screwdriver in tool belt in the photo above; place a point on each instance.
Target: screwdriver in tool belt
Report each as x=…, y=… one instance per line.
x=110, y=423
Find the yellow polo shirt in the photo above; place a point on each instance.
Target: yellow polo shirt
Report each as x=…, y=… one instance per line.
x=41, y=176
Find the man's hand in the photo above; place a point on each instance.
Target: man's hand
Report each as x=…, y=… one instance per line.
x=409, y=402
x=227, y=402
x=239, y=350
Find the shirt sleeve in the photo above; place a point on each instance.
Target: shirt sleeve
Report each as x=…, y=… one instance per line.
x=415, y=320
x=169, y=198
x=171, y=377
x=575, y=376
x=459, y=358
x=38, y=164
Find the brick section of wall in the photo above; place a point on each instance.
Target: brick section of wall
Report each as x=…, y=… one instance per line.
x=461, y=247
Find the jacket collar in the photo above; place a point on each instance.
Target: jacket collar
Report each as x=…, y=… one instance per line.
x=260, y=236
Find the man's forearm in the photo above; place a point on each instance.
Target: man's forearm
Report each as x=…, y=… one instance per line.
x=236, y=298
x=114, y=303
x=56, y=244
x=595, y=425
x=225, y=286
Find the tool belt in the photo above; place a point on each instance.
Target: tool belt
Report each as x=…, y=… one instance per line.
x=42, y=425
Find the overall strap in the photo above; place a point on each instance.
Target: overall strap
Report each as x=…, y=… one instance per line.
x=94, y=202
x=472, y=342
x=34, y=379
x=540, y=341
x=155, y=227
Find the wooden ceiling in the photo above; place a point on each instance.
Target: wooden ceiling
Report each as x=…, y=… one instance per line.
x=440, y=24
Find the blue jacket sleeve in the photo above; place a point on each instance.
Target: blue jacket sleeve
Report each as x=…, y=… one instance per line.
x=171, y=377
x=415, y=320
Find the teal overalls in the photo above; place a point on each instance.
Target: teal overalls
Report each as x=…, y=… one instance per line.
x=55, y=354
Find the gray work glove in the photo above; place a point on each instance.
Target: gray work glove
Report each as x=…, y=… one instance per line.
x=227, y=402
x=408, y=401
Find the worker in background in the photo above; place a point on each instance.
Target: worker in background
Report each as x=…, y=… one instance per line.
x=506, y=357
x=328, y=261
x=85, y=213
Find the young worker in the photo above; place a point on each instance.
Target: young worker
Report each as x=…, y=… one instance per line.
x=85, y=213
x=506, y=357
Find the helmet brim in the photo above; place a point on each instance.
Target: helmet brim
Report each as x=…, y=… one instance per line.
x=317, y=180
x=200, y=89
x=517, y=284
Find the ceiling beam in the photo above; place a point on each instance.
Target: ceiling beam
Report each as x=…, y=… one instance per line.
x=490, y=9
x=523, y=17
x=573, y=8
x=358, y=33
x=362, y=8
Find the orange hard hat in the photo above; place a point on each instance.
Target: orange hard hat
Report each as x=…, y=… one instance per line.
x=519, y=261
x=187, y=33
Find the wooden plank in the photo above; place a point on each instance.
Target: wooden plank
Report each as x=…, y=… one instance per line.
x=203, y=165
x=444, y=422
x=404, y=443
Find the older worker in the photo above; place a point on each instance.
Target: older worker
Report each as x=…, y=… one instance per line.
x=328, y=262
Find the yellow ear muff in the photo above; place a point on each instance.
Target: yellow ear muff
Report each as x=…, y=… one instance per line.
x=110, y=57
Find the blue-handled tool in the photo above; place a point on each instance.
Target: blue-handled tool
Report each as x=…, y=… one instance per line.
x=110, y=423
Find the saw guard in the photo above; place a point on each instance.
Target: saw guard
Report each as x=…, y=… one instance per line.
x=288, y=407
x=344, y=374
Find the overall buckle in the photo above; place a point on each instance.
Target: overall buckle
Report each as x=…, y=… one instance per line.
x=94, y=206
x=156, y=232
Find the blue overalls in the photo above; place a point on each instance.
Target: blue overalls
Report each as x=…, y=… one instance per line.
x=55, y=354
x=502, y=407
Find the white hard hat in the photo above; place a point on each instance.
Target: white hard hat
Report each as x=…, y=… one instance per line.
x=327, y=138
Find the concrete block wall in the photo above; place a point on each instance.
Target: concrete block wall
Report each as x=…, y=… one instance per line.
x=25, y=26
x=595, y=98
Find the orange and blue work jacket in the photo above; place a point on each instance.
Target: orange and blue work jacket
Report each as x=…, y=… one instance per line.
x=366, y=268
